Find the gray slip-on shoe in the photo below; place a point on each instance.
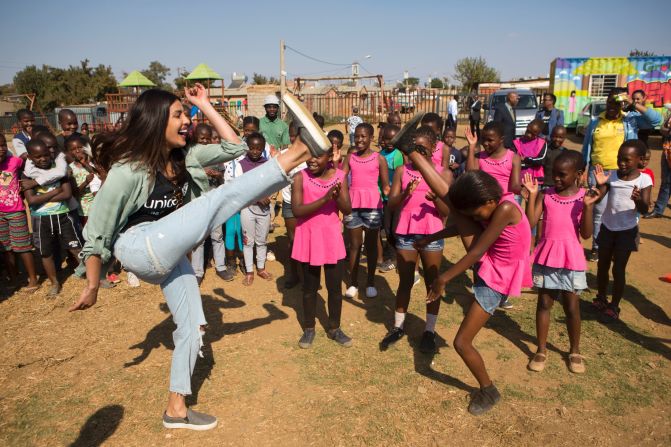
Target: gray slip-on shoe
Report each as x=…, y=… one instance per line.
x=308, y=129
x=193, y=421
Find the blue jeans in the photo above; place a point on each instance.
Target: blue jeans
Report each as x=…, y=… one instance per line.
x=600, y=207
x=218, y=253
x=156, y=253
x=664, y=189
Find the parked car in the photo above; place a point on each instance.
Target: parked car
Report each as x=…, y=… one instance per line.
x=525, y=111
x=592, y=110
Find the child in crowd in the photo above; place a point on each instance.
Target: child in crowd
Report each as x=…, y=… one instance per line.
x=255, y=219
x=501, y=163
x=500, y=254
x=435, y=122
x=532, y=150
x=49, y=211
x=555, y=148
x=559, y=262
x=14, y=231
x=366, y=167
x=288, y=215
x=319, y=192
x=352, y=122
x=26, y=120
x=643, y=167
x=202, y=134
x=457, y=157
x=84, y=129
x=394, y=159
x=67, y=120
x=421, y=214
x=337, y=140
x=628, y=195
x=87, y=182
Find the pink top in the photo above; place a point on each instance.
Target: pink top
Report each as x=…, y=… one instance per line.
x=437, y=155
x=418, y=215
x=10, y=189
x=531, y=149
x=499, y=168
x=505, y=267
x=318, y=239
x=364, y=190
x=559, y=246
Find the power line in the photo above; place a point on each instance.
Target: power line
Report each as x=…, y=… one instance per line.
x=319, y=72
x=314, y=58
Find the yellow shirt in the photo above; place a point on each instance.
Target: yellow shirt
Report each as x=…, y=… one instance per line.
x=607, y=138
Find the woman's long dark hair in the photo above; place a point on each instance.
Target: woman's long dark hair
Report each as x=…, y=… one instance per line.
x=141, y=139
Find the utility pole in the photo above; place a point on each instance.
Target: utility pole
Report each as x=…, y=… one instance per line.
x=283, y=79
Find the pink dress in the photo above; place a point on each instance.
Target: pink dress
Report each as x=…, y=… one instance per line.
x=437, y=155
x=505, y=267
x=531, y=149
x=559, y=246
x=318, y=239
x=418, y=215
x=364, y=191
x=499, y=168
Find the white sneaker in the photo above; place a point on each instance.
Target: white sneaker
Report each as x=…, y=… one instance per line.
x=308, y=129
x=371, y=292
x=133, y=281
x=351, y=292
x=270, y=256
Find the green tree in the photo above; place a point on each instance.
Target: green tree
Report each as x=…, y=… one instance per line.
x=437, y=83
x=260, y=79
x=638, y=53
x=471, y=71
x=180, y=82
x=158, y=73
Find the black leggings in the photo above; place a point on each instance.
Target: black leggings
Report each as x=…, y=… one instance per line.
x=312, y=276
x=619, y=258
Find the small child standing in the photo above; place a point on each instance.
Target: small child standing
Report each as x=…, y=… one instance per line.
x=366, y=167
x=14, y=232
x=628, y=195
x=85, y=175
x=394, y=159
x=318, y=193
x=501, y=163
x=457, y=157
x=49, y=211
x=532, y=150
x=555, y=148
x=439, y=154
x=643, y=167
x=255, y=218
x=352, y=122
x=26, y=120
x=559, y=261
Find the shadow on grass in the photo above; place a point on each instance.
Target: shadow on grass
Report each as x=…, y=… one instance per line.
x=99, y=426
x=660, y=239
x=161, y=334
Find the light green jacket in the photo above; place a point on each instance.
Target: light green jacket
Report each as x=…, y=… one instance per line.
x=128, y=186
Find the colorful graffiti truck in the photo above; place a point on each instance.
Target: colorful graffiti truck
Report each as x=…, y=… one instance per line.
x=578, y=81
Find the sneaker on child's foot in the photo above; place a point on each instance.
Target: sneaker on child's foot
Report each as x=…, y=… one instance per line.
x=270, y=256
x=193, y=421
x=113, y=278
x=133, y=280
x=428, y=343
x=394, y=335
x=308, y=337
x=227, y=275
x=505, y=304
x=386, y=266
x=483, y=400
x=339, y=337
x=351, y=292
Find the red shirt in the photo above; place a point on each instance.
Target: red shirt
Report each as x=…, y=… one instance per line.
x=650, y=173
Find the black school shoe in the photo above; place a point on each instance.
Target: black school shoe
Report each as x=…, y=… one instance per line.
x=308, y=129
x=394, y=335
x=404, y=139
x=193, y=421
x=483, y=400
x=308, y=337
x=428, y=343
x=339, y=337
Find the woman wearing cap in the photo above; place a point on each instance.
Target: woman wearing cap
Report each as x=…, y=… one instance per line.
x=274, y=130
x=138, y=215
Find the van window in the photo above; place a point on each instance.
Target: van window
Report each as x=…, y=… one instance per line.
x=527, y=101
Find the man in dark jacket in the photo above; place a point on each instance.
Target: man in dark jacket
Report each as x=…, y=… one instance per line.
x=505, y=114
x=474, y=107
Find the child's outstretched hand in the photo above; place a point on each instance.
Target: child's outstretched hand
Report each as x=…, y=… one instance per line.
x=592, y=196
x=411, y=187
x=437, y=289
x=530, y=183
x=471, y=137
x=337, y=155
x=600, y=176
x=197, y=95
x=636, y=194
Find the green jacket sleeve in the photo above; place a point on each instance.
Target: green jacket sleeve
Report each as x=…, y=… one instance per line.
x=210, y=154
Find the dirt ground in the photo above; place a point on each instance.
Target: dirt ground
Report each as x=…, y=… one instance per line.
x=101, y=376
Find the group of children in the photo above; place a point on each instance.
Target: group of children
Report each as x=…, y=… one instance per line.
x=417, y=190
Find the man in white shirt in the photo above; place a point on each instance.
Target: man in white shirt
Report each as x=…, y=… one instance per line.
x=452, y=112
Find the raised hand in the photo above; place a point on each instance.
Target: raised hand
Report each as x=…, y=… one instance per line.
x=411, y=187
x=197, y=95
x=337, y=155
x=600, y=176
x=530, y=183
x=592, y=196
x=471, y=137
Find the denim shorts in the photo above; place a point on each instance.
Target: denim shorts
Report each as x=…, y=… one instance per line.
x=287, y=212
x=488, y=298
x=406, y=241
x=371, y=218
x=558, y=279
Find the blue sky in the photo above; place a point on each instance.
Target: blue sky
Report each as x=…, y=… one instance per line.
x=519, y=38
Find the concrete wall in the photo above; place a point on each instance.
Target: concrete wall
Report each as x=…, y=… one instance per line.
x=255, y=96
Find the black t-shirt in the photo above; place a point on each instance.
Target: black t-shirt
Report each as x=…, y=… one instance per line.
x=549, y=162
x=546, y=121
x=165, y=198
